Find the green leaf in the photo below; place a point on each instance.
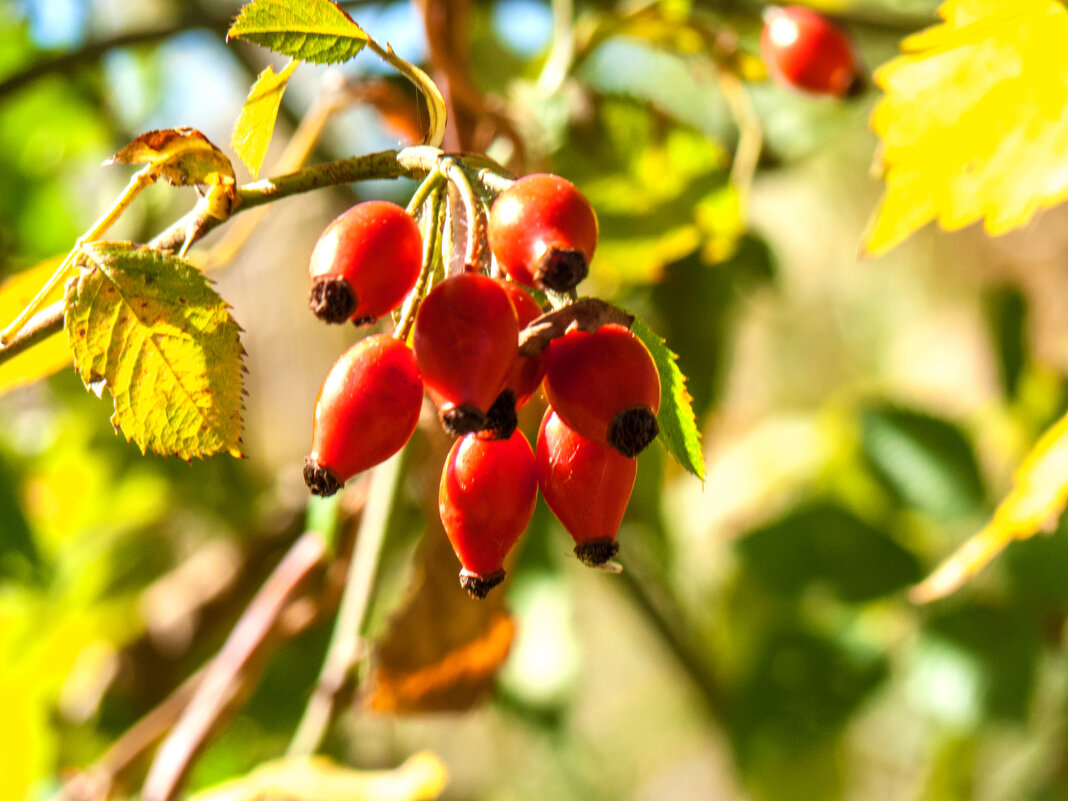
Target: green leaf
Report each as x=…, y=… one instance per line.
x=150, y=328
x=317, y=31
x=825, y=544
x=255, y=124
x=926, y=461
x=678, y=426
x=1006, y=312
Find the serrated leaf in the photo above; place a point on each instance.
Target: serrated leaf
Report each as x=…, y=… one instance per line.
x=44, y=358
x=421, y=778
x=1036, y=501
x=317, y=31
x=150, y=327
x=254, y=126
x=972, y=123
x=678, y=426
x=181, y=156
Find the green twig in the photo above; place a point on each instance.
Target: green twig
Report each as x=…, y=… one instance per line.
x=431, y=245
x=345, y=644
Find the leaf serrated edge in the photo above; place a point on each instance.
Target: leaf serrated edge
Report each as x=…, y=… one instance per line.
x=687, y=453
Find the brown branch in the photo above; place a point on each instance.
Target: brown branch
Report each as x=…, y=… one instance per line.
x=41, y=326
x=93, y=51
x=232, y=672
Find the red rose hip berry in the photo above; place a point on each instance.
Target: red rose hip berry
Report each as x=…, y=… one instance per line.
x=543, y=232
x=366, y=411
x=586, y=485
x=364, y=263
x=605, y=386
x=466, y=338
x=486, y=499
x=806, y=51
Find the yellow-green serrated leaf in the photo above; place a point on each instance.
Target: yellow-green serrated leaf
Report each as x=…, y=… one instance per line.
x=318, y=31
x=421, y=778
x=182, y=156
x=678, y=425
x=1036, y=501
x=972, y=123
x=255, y=124
x=149, y=327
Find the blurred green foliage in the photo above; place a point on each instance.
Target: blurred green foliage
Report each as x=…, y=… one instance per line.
x=759, y=644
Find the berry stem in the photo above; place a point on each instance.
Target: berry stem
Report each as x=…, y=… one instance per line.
x=431, y=245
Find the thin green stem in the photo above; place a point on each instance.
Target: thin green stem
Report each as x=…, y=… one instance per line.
x=423, y=191
x=431, y=244
x=344, y=649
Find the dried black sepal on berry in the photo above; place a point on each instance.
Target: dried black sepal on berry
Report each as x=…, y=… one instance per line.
x=319, y=480
x=595, y=553
x=463, y=419
x=477, y=585
x=632, y=429
x=501, y=419
x=561, y=269
x=332, y=299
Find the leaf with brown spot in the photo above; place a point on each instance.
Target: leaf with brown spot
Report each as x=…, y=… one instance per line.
x=173, y=370
x=181, y=156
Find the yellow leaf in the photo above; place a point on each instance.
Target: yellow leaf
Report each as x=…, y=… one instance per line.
x=149, y=327
x=1038, y=496
x=972, y=123
x=44, y=358
x=421, y=778
x=255, y=124
x=181, y=156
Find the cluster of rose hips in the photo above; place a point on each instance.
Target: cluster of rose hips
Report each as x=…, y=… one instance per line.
x=804, y=50
x=600, y=380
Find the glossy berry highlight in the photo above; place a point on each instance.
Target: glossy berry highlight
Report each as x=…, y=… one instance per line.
x=806, y=51
x=364, y=263
x=587, y=486
x=543, y=232
x=486, y=499
x=366, y=411
x=605, y=386
x=465, y=339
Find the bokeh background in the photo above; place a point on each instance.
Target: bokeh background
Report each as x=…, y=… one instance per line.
x=860, y=419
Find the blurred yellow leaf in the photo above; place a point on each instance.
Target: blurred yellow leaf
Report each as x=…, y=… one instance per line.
x=972, y=123
x=1035, y=503
x=255, y=124
x=421, y=778
x=44, y=358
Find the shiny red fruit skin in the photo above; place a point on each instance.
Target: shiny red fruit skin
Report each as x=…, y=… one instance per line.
x=590, y=377
x=378, y=249
x=527, y=371
x=465, y=340
x=586, y=485
x=368, y=406
x=538, y=212
x=806, y=51
x=486, y=499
